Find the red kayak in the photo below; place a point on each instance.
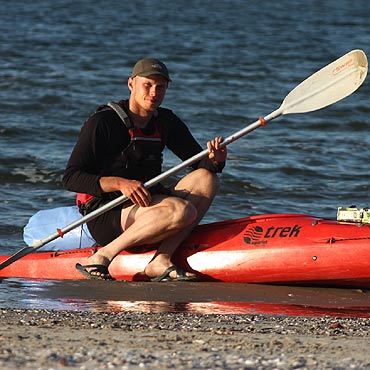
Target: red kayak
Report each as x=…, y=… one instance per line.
x=289, y=249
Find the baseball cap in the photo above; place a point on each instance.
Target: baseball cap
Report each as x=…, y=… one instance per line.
x=150, y=66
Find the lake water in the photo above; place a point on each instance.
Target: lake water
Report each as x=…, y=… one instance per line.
x=230, y=61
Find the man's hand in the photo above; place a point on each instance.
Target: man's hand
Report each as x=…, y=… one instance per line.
x=216, y=153
x=136, y=192
x=132, y=189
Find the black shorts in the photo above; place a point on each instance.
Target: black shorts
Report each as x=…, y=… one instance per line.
x=107, y=226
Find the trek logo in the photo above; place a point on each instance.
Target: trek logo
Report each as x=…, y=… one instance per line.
x=257, y=235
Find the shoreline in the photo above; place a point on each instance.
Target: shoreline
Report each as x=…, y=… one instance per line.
x=47, y=339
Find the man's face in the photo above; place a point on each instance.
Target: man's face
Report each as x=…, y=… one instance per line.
x=147, y=93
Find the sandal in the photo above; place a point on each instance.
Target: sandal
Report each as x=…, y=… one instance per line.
x=180, y=275
x=95, y=268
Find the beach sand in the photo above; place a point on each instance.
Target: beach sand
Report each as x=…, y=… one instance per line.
x=46, y=339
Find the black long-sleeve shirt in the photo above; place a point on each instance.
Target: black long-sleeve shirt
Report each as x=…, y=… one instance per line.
x=104, y=136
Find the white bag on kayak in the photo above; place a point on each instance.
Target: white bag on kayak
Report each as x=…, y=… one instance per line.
x=46, y=222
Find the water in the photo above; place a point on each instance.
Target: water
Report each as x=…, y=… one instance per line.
x=194, y=298
x=231, y=62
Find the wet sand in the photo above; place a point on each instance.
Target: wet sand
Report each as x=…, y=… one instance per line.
x=43, y=339
x=179, y=326
x=203, y=298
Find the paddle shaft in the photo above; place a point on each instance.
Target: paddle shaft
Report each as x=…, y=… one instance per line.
x=154, y=181
x=114, y=203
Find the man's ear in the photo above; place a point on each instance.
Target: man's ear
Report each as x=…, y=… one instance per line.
x=130, y=83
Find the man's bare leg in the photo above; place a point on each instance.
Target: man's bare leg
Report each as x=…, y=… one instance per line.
x=146, y=225
x=174, y=218
x=199, y=187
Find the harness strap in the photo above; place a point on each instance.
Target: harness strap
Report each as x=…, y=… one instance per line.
x=122, y=114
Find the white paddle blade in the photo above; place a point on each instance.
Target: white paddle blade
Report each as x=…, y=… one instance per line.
x=328, y=85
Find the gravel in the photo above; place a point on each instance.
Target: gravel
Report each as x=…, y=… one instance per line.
x=46, y=339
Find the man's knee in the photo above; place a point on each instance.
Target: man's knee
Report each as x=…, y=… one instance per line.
x=182, y=212
x=207, y=180
x=200, y=182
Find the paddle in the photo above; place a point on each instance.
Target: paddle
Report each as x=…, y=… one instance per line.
x=327, y=86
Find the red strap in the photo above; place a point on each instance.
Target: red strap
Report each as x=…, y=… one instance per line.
x=83, y=198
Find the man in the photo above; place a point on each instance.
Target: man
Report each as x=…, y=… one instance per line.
x=120, y=148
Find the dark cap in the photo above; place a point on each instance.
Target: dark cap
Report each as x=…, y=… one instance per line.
x=149, y=66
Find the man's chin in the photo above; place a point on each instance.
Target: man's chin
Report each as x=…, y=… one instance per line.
x=151, y=108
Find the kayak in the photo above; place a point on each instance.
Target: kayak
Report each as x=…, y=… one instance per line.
x=288, y=249
x=276, y=249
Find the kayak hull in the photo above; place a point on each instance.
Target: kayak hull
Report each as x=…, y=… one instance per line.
x=289, y=249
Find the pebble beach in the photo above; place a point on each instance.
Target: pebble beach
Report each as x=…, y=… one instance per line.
x=46, y=339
